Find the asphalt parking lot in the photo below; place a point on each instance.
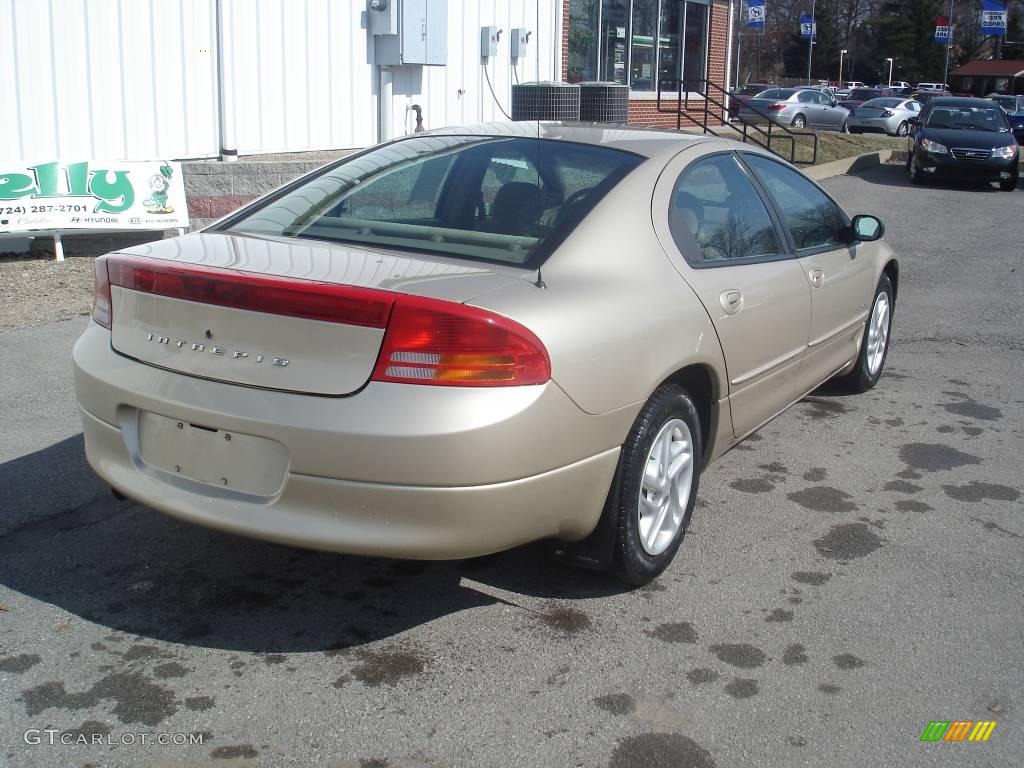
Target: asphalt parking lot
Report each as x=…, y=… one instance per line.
x=853, y=572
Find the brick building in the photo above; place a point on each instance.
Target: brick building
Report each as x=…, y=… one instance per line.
x=641, y=42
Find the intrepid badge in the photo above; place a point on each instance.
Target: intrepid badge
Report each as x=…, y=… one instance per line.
x=234, y=354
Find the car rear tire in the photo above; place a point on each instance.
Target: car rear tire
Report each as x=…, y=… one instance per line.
x=799, y=122
x=902, y=128
x=658, y=474
x=874, y=345
x=1009, y=185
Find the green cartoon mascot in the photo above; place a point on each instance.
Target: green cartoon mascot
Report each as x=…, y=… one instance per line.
x=159, y=183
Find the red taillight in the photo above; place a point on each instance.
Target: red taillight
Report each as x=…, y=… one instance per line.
x=270, y=294
x=775, y=107
x=436, y=342
x=887, y=113
x=101, y=311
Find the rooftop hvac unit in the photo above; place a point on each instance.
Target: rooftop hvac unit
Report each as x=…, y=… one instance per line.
x=604, y=103
x=546, y=101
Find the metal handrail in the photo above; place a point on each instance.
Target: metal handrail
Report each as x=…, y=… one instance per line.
x=703, y=89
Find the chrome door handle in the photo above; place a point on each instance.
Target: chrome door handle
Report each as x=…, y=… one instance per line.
x=817, y=277
x=732, y=301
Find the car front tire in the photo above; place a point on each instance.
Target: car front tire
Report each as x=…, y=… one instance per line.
x=658, y=475
x=874, y=344
x=916, y=177
x=1009, y=185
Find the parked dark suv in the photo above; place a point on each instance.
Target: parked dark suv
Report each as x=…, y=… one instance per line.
x=963, y=138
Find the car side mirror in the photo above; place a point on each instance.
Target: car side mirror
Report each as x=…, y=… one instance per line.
x=914, y=120
x=866, y=229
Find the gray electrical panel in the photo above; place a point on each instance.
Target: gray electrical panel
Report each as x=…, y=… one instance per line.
x=409, y=31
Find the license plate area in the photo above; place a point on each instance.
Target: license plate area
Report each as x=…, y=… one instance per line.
x=215, y=457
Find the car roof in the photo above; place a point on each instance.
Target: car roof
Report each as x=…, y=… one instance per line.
x=648, y=142
x=959, y=101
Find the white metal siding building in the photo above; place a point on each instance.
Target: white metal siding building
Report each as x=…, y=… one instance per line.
x=169, y=79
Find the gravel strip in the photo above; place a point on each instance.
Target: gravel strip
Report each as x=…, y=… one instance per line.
x=34, y=291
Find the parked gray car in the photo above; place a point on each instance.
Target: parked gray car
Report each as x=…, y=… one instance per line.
x=796, y=107
x=890, y=115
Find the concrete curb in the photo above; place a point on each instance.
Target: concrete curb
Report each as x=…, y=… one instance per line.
x=848, y=164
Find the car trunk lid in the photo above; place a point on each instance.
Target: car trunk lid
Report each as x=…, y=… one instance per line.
x=275, y=313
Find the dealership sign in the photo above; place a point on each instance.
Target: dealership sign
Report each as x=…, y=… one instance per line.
x=993, y=18
x=755, y=14
x=56, y=196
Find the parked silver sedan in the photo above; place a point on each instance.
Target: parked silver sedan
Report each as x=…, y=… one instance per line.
x=796, y=107
x=889, y=115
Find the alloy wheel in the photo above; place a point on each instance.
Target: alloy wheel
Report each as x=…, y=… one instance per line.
x=878, y=333
x=665, y=487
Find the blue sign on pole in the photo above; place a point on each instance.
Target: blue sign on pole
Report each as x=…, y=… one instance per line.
x=755, y=14
x=993, y=18
x=808, y=27
x=942, y=30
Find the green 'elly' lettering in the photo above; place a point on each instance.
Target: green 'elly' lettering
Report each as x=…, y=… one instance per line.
x=15, y=185
x=117, y=195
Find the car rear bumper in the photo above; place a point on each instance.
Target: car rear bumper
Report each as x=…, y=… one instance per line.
x=418, y=472
x=872, y=125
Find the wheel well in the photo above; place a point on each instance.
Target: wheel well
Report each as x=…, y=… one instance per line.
x=701, y=385
x=892, y=269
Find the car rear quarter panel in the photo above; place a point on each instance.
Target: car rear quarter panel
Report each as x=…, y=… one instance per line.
x=616, y=317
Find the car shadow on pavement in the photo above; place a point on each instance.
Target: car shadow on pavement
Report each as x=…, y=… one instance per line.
x=895, y=175
x=124, y=566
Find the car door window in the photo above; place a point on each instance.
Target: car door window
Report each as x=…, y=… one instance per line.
x=811, y=216
x=716, y=215
x=807, y=97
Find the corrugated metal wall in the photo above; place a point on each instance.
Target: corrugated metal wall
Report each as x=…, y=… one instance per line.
x=137, y=79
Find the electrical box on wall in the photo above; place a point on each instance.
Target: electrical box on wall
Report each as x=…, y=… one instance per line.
x=518, y=41
x=409, y=31
x=488, y=42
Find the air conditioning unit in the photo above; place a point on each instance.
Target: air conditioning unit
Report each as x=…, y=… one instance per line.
x=546, y=101
x=604, y=103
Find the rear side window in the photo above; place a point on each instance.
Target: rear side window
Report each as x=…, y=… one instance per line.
x=811, y=216
x=486, y=198
x=716, y=216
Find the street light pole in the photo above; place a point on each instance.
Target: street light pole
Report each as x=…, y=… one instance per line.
x=949, y=44
x=842, y=52
x=890, y=60
x=810, y=44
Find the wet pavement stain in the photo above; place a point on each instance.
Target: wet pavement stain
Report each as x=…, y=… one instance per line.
x=774, y=468
x=701, y=675
x=779, y=614
x=972, y=431
x=235, y=751
x=909, y=505
x=823, y=498
x=679, y=632
x=895, y=422
x=794, y=654
x=388, y=667
x=374, y=762
x=616, y=703
x=988, y=525
x=199, y=703
x=814, y=578
x=568, y=621
x=909, y=474
x=848, y=661
x=902, y=486
x=660, y=750
x=826, y=409
x=752, y=486
x=830, y=689
x=932, y=457
x=20, y=663
x=169, y=670
x=973, y=410
x=137, y=699
x=88, y=730
x=742, y=688
x=848, y=542
x=270, y=659
x=740, y=655
x=797, y=741
x=815, y=474
x=976, y=491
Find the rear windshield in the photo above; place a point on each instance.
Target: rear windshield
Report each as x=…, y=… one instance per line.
x=1009, y=103
x=883, y=103
x=484, y=198
x=776, y=93
x=864, y=94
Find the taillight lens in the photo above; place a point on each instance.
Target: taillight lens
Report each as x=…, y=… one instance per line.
x=429, y=341
x=775, y=107
x=101, y=304
x=887, y=113
x=271, y=294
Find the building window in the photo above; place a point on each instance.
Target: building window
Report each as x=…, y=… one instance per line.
x=639, y=42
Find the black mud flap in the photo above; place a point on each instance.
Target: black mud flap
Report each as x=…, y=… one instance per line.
x=596, y=551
